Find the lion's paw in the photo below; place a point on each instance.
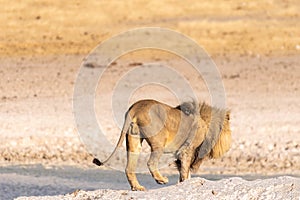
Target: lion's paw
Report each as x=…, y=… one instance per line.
x=138, y=188
x=162, y=180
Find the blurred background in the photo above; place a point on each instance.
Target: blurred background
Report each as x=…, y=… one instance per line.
x=255, y=44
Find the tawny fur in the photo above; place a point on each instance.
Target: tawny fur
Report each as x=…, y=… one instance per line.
x=221, y=119
x=191, y=131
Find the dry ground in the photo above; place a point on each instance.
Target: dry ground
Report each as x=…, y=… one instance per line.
x=255, y=44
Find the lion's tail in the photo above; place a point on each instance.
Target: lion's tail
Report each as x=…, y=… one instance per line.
x=125, y=128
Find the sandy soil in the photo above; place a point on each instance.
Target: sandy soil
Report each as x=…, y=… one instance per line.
x=38, y=126
x=256, y=47
x=199, y=188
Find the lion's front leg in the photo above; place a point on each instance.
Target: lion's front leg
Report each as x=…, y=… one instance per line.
x=184, y=162
x=196, y=164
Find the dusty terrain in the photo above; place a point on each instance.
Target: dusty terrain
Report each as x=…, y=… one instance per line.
x=198, y=188
x=256, y=46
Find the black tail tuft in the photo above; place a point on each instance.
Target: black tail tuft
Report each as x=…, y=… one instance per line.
x=97, y=162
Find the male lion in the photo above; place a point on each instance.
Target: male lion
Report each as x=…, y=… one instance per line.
x=190, y=131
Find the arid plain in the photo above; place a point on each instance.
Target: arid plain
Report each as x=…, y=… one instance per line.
x=255, y=45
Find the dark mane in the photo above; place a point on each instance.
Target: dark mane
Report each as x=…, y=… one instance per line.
x=188, y=108
x=217, y=120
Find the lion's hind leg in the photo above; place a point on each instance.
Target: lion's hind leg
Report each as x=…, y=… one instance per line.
x=153, y=166
x=133, y=143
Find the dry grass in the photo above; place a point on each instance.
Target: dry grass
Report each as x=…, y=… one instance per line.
x=221, y=27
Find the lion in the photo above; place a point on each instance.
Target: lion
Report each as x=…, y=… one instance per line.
x=191, y=131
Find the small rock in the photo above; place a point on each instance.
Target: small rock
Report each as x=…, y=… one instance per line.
x=270, y=147
x=135, y=64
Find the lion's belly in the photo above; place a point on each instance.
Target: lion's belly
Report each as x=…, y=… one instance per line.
x=174, y=141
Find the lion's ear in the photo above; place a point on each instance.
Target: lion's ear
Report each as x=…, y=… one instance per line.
x=228, y=115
